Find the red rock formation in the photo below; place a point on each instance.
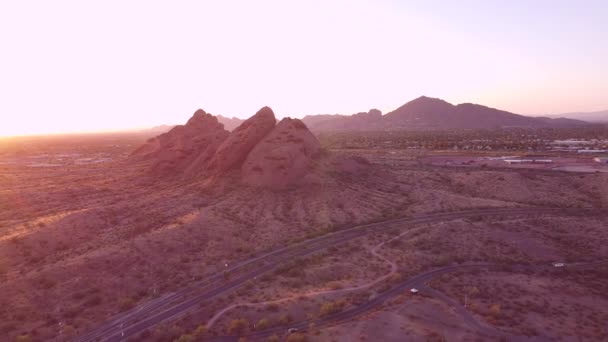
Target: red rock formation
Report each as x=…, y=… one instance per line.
x=185, y=148
x=282, y=158
x=233, y=151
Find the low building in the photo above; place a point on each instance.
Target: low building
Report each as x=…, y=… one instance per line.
x=592, y=151
x=603, y=160
x=528, y=161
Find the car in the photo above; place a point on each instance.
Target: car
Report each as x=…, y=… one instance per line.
x=414, y=290
x=559, y=264
x=292, y=330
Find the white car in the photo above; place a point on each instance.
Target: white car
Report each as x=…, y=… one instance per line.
x=414, y=291
x=292, y=330
x=559, y=264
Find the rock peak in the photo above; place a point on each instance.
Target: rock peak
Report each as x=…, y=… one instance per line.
x=265, y=111
x=233, y=151
x=283, y=157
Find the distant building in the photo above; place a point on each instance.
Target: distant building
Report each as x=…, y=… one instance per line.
x=603, y=160
x=592, y=151
x=528, y=161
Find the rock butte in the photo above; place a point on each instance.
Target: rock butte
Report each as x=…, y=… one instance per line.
x=185, y=148
x=283, y=157
x=267, y=154
x=233, y=151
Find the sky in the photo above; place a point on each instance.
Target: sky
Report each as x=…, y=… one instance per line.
x=70, y=66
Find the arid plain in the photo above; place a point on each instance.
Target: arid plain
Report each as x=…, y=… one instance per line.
x=103, y=239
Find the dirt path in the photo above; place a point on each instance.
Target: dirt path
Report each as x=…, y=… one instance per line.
x=373, y=251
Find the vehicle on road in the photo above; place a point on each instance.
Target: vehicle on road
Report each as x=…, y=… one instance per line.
x=414, y=290
x=292, y=330
x=559, y=264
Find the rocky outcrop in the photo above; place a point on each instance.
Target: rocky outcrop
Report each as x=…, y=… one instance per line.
x=258, y=153
x=232, y=152
x=282, y=158
x=185, y=148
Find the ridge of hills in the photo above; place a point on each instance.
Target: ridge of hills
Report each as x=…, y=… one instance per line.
x=432, y=113
x=427, y=113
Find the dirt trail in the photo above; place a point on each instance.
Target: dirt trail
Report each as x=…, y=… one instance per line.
x=373, y=251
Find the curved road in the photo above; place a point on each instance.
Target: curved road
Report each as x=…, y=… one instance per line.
x=173, y=305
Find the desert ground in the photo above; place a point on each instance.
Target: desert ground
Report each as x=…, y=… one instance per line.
x=88, y=235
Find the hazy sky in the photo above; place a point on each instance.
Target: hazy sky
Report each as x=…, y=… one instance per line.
x=92, y=65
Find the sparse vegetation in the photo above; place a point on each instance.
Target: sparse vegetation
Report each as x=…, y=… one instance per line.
x=158, y=237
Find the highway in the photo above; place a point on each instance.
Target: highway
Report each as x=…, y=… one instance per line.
x=173, y=305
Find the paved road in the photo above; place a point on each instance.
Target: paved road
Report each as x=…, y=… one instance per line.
x=419, y=281
x=175, y=304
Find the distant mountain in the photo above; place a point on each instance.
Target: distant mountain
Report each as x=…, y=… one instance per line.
x=601, y=116
x=161, y=129
x=431, y=113
x=361, y=121
x=156, y=130
x=229, y=123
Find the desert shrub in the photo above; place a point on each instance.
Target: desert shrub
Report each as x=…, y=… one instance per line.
x=238, y=326
x=185, y=338
x=331, y=307
x=23, y=338
x=69, y=330
x=93, y=301
x=495, y=310
x=273, y=338
x=126, y=303
x=262, y=324
x=200, y=331
x=272, y=307
x=285, y=319
x=296, y=337
x=335, y=285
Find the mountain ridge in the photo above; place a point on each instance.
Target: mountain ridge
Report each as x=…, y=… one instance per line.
x=433, y=113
